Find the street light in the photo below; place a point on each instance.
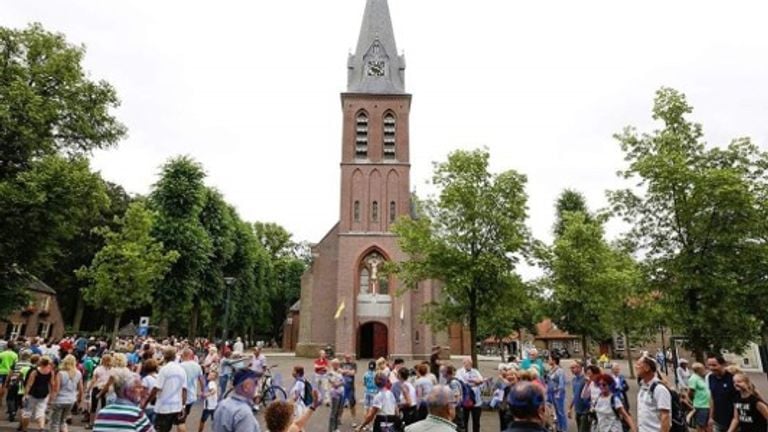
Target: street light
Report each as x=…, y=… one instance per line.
x=228, y=281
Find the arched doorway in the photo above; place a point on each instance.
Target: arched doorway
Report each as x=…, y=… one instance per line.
x=372, y=340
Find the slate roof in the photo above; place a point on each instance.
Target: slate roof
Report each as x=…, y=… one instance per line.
x=37, y=285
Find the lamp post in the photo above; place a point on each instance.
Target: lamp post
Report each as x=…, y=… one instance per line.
x=228, y=281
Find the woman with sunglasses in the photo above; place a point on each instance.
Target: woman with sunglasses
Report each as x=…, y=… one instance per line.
x=609, y=409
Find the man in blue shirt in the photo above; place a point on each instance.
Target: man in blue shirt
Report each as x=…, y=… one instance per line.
x=579, y=405
x=235, y=413
x=723, y=394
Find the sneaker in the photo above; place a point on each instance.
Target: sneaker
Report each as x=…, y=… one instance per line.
x=354, y=425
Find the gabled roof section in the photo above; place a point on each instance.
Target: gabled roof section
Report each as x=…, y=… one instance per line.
x=36, y=284
x=376, y=44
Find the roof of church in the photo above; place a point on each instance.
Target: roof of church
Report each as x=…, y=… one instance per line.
x=376, y=43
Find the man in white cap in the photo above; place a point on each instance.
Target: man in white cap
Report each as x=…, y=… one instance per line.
x=238, y=347
x=683, y=375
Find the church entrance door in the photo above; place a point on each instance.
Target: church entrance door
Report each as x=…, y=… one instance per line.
x=372, y=340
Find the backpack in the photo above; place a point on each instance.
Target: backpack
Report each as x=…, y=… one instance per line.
x=624, y=424
x=308, y=396
x=468, y=398
x=676, y=415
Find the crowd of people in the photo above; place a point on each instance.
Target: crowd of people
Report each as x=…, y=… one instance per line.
x=143, y=384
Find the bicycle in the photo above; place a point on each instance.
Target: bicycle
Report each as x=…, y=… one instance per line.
x=270, y=392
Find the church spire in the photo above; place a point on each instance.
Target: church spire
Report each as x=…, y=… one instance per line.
x=376, y=67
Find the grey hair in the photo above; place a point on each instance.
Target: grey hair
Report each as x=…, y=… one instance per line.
x=124, y=380
x=440, y=398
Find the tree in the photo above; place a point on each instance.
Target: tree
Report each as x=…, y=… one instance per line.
x=48, y=107
x=696, y=215
x=42, y=209
x=178, y=199
x=124, y=274
x=469, y=238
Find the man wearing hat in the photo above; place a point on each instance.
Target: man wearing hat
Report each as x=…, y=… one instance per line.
x=683, y=375
x=235, y=413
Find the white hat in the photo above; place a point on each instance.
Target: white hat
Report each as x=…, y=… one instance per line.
x=682, y=360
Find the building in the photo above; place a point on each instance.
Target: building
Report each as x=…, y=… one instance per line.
x=346, y=301
x=41, y=317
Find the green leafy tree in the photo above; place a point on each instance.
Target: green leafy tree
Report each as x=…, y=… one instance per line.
x=696, y=214
x=469, y=238
x=178, y=199
x=125, y=273
x=48, y=106
x=41, y=210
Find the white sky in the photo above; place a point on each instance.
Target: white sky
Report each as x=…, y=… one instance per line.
x=251, y=88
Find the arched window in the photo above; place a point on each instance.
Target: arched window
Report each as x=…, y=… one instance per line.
x=356, y=211
x=361, y=136
x=392, y=211
x=375, y=211
x=365, y=281
x=390, y=128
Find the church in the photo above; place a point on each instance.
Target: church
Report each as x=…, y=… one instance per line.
x=346, y=300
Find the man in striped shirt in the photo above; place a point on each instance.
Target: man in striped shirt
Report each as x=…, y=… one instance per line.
x=124, y=414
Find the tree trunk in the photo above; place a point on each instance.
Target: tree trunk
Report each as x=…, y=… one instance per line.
x=192, y=331
x=115, y=330
x=584, y=347
x=163, y=328
x=79, y=310
x=628, y=351
x=473, y=334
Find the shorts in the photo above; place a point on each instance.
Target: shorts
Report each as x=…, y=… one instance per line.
x=368, y=400
x=349, y=396
x=34, y=408
x=165, y=422
x=207, y=414
x=2, y=379
x=700, y=417
x=187, y=409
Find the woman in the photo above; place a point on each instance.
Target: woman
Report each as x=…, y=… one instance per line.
x=279, y=416
x=750, y=413
x=101, y=376
x=609, y=408
x=211, y=362
x=39, y=384
x=408, y=401
x=149, y=368
x=67, y=390
x=383, y=411
x=423, y=386
x=698, y=392
x=119, y=364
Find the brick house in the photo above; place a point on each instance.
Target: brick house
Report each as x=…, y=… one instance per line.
x=41, y=317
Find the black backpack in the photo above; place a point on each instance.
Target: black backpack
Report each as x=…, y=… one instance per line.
x=676, y=415
x=308, y=396
x=624, y=424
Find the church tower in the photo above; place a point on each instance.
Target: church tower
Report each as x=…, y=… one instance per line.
x=346, y=300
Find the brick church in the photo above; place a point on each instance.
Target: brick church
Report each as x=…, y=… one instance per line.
x=346, y=301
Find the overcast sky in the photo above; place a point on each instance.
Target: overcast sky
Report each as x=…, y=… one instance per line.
x=251, y=88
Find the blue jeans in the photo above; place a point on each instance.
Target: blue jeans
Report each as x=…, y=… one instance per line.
x=336, y=407
x=223, y=383
x=562, y=420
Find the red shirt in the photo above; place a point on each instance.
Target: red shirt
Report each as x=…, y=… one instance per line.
x=66, y=345
x=321, y=365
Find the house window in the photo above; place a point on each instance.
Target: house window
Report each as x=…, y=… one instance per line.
x=365, y=281
x=416, y=337
x=43, y=329
x=383, y=283
x=356, y=211
x=375, y=211
x=390, y=128
x=392, y=212
x=361, y=136
x=45, y=303
x=16, y=331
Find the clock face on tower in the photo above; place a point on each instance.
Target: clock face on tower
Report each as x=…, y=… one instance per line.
x=376, y=68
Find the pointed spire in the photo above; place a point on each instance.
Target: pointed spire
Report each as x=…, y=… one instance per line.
x=376, y=66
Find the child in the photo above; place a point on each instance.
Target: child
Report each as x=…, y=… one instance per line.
x=297, y=392
x=211, y=396
x=370, y=384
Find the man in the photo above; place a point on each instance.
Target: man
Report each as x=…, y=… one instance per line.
x=336, y=384
x=434, y=361
x=654, y=402
x=81, y=345
x=195, y=382
x=683, y=375
x=124, y=413
x=8, y=359
x=321, y=379
x=556, y=392
x=622, y=387
x=454, y=385
x=533, y=360
x=722, y=394
x=258, y=361
x=14, y=385
x=238, y=347
x=171, y=392
x=442, y=409
x=471, y=376
x=348, y=371
x=235, y=413
x=527, y=404
x=580, y=405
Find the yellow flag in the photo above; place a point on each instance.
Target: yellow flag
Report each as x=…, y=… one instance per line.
x=339, y=310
